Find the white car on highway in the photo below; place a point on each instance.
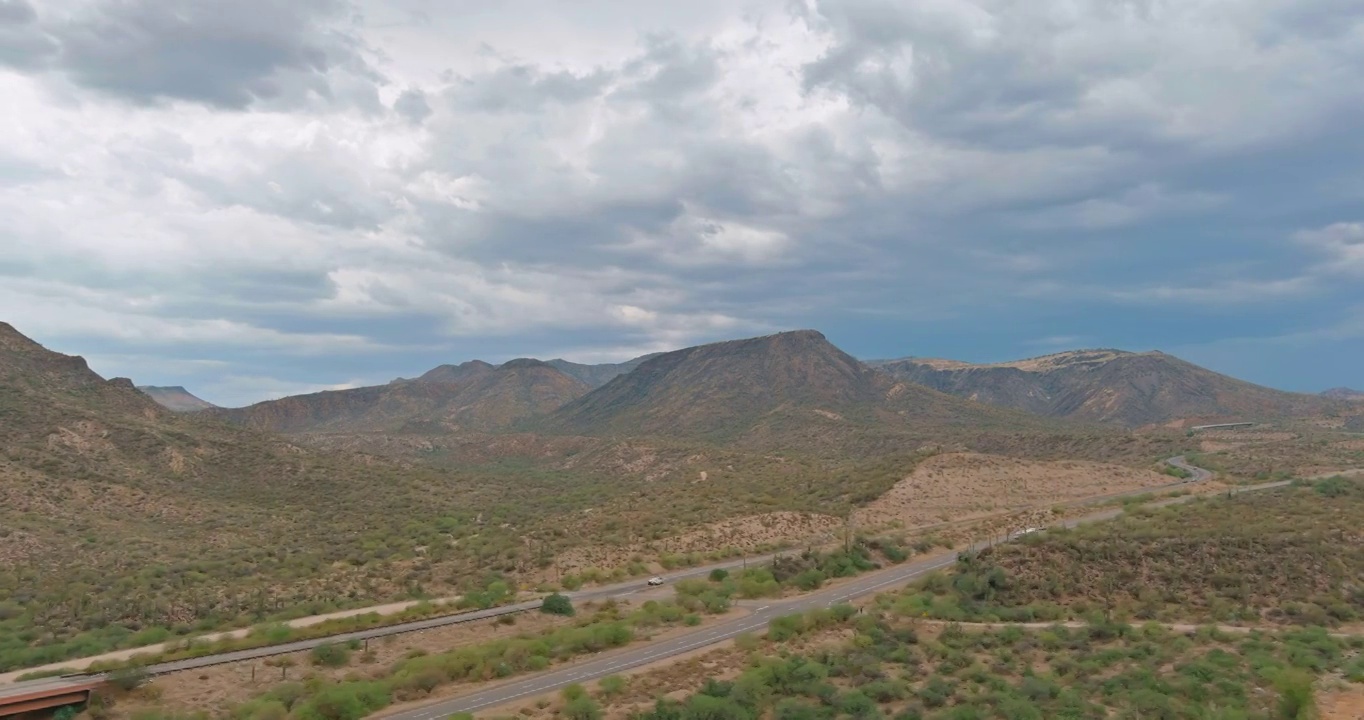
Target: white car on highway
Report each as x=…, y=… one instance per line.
x=655, y=580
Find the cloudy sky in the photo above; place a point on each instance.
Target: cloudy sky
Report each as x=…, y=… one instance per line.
x=253, y=198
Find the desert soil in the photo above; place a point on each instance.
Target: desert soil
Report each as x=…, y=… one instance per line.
x=1343, y=703
x=957, y=486
x=744, y=534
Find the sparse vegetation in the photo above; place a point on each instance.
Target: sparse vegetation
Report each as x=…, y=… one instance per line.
x=252, y=530
x=417, y=676
x=804, y=572
x=1290, y=556
x=895, y=667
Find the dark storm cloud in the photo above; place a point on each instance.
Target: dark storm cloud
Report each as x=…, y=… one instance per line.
x=16, y=12
x=224, y=53
x=22, y=44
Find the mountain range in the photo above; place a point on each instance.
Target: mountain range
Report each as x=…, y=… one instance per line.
x=729, y=389
x=473, y=396
x=1129, y=389
x=1344, y=393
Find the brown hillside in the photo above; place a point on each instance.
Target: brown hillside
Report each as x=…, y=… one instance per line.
x=176, y=398
x=1344, y=393
x=116, y=511
x=1109, y=386
x=775, y=388
x=472, y=396
x=457, y=373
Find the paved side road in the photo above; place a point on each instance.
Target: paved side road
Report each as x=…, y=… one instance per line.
x=1196, y=474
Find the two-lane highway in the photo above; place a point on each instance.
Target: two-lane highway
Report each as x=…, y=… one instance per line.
x=625, y=659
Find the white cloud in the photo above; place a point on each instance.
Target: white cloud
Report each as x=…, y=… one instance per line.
x=642, y=175
x=66, y=311
x=1342, y=244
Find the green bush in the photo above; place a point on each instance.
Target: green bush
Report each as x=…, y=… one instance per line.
x=785, y=627
x=348, y=701
x=557, y=604
x=330, y=655
x=1296, y=699
x=612, y=685
x=582, y=708
x=128, y=679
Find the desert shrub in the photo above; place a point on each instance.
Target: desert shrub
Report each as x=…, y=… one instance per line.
x=330, y=655
x=128, y=679
x=557, y=604
x=347, y=701
x=612, y=685
x=582, y=708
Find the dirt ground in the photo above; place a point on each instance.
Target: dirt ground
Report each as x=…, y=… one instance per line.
x=956, y=486
x=217, y=689
x=745, y=534
x=1342, y=703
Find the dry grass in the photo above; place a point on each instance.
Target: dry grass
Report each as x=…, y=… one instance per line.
x=741, y=535
x=957, y=486
x=220, y=688
x=1285, y=556
x=1272, y=452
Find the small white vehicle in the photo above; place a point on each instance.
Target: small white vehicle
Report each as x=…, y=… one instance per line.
x=655, y=580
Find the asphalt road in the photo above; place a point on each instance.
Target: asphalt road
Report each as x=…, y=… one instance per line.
x=1196, y=474
x=759, y=619
x=621, y=660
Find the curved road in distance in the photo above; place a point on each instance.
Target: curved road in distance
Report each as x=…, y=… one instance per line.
x=599, y=666
x=1196, y=474
x=898, y=573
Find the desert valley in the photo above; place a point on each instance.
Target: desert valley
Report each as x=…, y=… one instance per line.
x=136, y=519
